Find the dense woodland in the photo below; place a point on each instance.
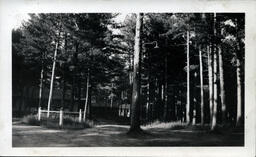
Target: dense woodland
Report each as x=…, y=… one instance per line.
x=186, y=67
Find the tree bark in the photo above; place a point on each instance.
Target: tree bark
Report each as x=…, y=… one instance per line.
x=63, y=90
x=90, y=101
x=201, y=85
x=87, y=95
x=188, y=83
x=210, y=78
x=111, y=98
x=239, y=92
x=239, y=79
x=41, y=86
x=64, y=76
x=148, y=98
x=215, y=92
x=165, y=89
x=135, y=106
x=194, y=113
x=79, y=92
x=222, y=89
x=52, y=79
x=72, y=91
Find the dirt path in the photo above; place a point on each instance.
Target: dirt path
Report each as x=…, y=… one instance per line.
x=115, y=135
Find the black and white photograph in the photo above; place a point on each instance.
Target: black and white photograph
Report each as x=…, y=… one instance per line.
x=114, y=79
x=128, y=80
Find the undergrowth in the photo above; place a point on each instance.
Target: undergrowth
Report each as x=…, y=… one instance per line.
x=68, y=122
x=166, y=125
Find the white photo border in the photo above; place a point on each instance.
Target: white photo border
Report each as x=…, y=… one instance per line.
x=10, y=8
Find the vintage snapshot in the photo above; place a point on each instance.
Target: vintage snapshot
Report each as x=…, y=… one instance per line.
x=115, y=79
x=127, y=78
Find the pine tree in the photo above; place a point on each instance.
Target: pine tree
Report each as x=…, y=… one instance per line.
x=215, y=92
x=135, y=108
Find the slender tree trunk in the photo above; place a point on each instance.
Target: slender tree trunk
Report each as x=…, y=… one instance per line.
x=239, y=92
x=135, y=106
x=90, y=101
x=194, y=113
x=215, y=92
x=63, y=91
x=41, y=87
x=201, y=85
x=239, y=79
x=222, y=89
x=148, y=98
x=188, y=82
x=150, y=93
x=111, y=98
x=210, y=78
x=87, y=95
x=52, y=79
x=72, y=91
x=111, y=102
x=165, y=89
x=64, y=76
x=79, y=92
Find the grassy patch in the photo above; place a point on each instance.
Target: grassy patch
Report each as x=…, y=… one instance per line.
x=165, y=125
x=53, y=122
x=30, y=120
x=73, y=123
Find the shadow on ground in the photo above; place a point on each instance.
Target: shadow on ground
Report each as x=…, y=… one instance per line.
x=115, y=135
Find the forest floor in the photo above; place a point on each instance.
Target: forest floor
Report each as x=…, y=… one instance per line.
x=116, y=135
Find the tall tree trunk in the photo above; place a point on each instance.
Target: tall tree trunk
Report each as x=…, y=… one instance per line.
x=41, y=86
x=79, y=92
x=210, y=78
x=52, y=79
x=63, y=91
x=111, y=98
x=111, y=102
x=87, y=95
x=239, y=79
x=72, y=91
x=201, y=85
x=222, y=89
x=135, y=106
x=188, y=83
x=148, y=98
x=194, y=113
x=148, y=87
x=215, y=92
x=64, y=76
x=239, y=91
x=90, y=102
x=165, y=89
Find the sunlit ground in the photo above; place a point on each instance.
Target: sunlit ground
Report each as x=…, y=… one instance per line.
x=168, y=134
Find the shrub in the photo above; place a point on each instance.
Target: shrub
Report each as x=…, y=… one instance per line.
x=89, y=123
x=31, y=120
x=69, y=122
x=73, y=123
